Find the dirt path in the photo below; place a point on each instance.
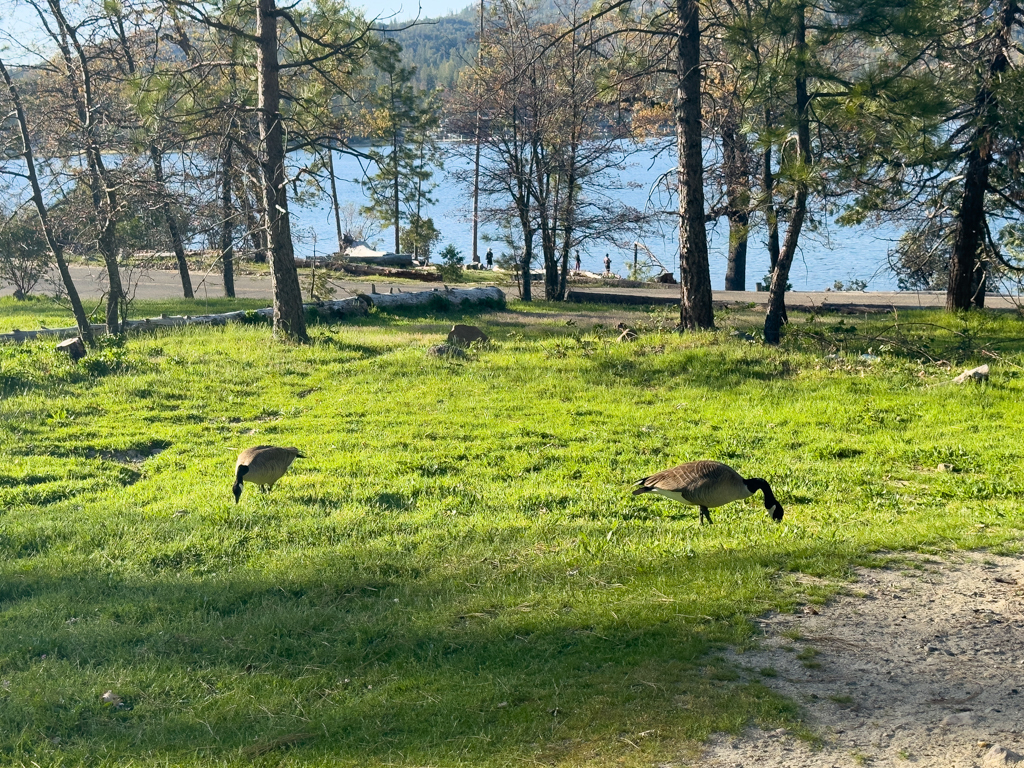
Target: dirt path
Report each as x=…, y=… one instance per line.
x=915, y=667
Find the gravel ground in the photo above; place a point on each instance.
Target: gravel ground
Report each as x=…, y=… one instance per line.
x=913, y=667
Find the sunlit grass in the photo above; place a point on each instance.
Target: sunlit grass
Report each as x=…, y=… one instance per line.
x=458, y=573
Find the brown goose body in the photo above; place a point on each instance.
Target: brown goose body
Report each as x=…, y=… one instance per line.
x=262, y=465
x=707, y=484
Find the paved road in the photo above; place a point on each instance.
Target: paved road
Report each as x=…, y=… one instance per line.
x=165, y=284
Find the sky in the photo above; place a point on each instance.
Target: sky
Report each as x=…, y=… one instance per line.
x=19, y=24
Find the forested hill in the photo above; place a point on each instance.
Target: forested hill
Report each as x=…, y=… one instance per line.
x=439, y=48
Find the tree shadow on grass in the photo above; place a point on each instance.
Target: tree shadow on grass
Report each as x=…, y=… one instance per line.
x=371, y=664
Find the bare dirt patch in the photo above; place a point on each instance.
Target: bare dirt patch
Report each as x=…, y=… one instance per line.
x=919, y=667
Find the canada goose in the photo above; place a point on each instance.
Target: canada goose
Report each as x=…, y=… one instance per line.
x=707, y=484
x=263, y=466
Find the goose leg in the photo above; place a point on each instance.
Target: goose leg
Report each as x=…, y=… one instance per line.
x=705, y=513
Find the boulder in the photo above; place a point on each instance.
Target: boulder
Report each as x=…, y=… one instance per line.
x=999, y=755
x=974, y=374
x=464, y=335
x=73, y=348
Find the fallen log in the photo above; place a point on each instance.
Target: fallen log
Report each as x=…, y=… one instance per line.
x=355, y=305
x=447, y=295
x=364, y=270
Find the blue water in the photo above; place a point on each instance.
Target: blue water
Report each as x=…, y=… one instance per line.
x=832, y=253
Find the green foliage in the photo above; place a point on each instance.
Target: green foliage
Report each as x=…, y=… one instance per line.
x=451, y=263
x=457, y=574
x=420, y=236
x=24, y=255
x=402, y=122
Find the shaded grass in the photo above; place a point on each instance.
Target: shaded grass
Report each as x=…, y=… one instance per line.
x=458, y=574
x=44, y=312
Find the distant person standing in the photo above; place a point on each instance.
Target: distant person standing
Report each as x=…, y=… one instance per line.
x=490, y=258
x=608, y=265
x=579, y=264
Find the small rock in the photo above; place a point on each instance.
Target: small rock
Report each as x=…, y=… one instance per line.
x=958, y=718
x=464, y=335
x=974, y=374
x=945, y=468
x=445, y=350
x=73, y=348
x=999, y=755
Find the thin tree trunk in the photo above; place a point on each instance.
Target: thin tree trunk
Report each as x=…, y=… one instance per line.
x=776, y=314
x=172, y=225
x=695, y=310
x=396, y=202
x=771, y=215
x=81, y=319
x=476, y=151
x=227, y=224
x=737, y=184
x=334, y=199
x=289, y=319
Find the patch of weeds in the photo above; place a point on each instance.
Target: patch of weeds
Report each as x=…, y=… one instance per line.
x=768, y=672
x=807, y=656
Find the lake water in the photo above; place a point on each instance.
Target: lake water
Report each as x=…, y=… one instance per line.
x=833, y=253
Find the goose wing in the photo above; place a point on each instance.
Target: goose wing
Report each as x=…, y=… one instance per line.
x=704, y=483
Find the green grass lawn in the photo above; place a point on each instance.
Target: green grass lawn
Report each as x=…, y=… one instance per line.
x=458, y=573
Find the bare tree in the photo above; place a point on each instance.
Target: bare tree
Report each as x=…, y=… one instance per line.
x=81, y=319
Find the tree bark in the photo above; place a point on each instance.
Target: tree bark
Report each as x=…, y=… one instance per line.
x=81, y=319
x=289, y=318
x=776, y=314
x=696, y=310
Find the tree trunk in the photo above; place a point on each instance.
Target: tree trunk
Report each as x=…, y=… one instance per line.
x=737, y=184
x=81, y=319
x=172, y=225
x=770, y=214
x=289, y=319
x=965, y=284
x=397, y=198
x=227, y=224
x=695, y=275
x=776, y=314
x=334, y=199
x=527, y=258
